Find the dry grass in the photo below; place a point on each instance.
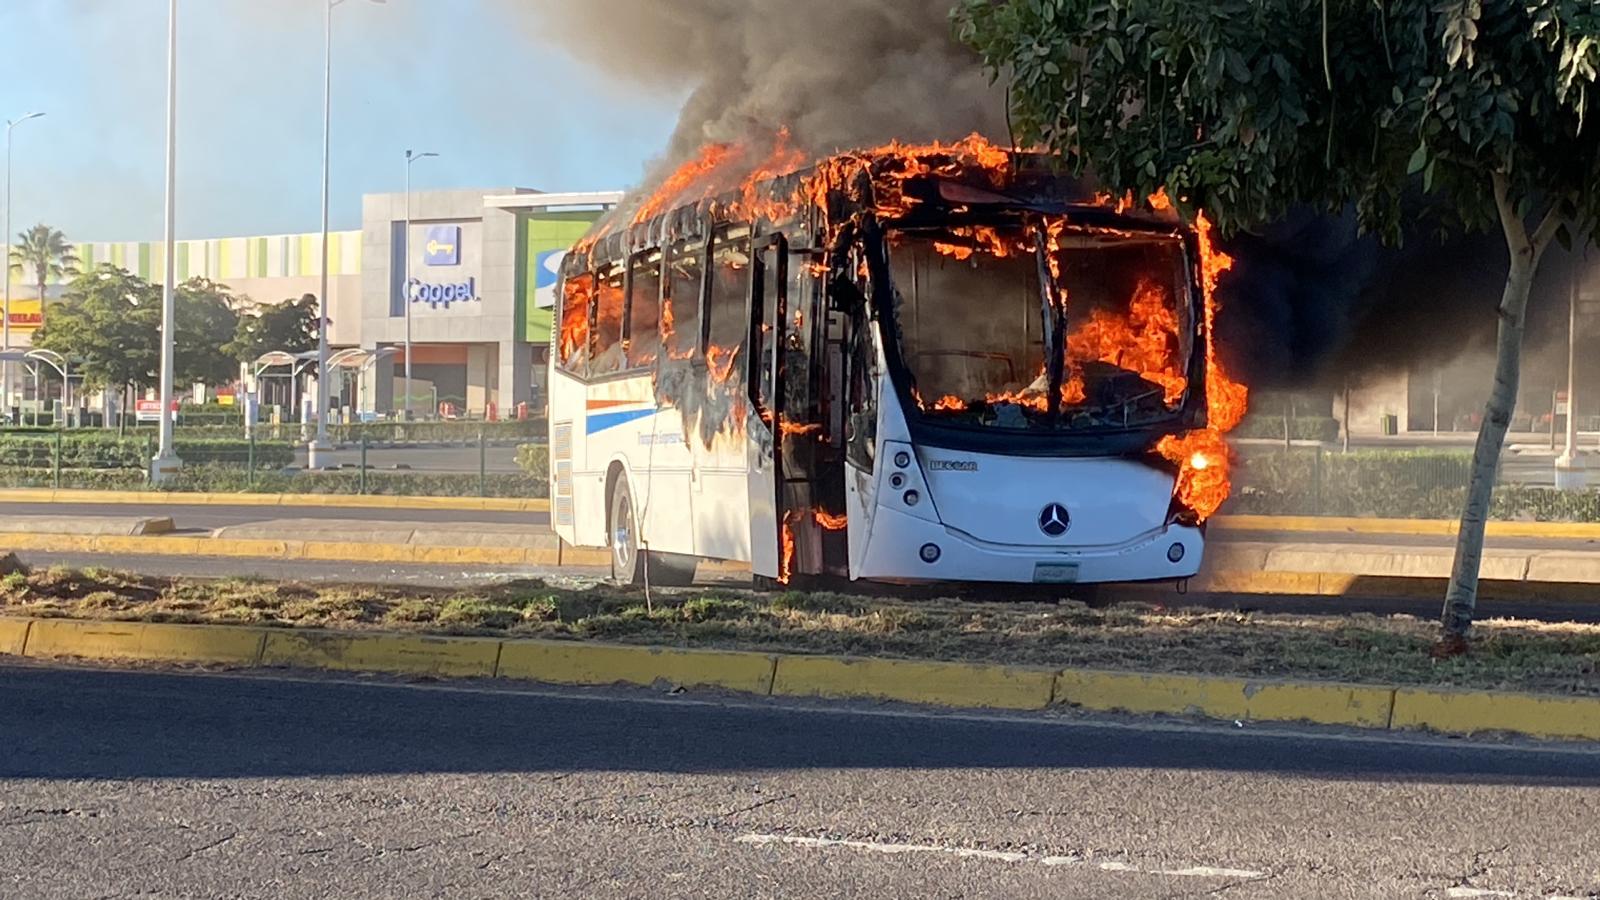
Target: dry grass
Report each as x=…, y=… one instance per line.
x=1358, y=647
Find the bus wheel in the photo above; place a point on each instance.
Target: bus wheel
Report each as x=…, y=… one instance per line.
x=626, y=561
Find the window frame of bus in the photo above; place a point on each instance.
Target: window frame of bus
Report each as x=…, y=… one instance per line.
x=580, y=371
x=633, y=264
x=719, y=236
x=698, y=246
x=595, y=376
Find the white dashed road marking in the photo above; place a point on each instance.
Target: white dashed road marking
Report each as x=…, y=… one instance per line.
x=762, y=840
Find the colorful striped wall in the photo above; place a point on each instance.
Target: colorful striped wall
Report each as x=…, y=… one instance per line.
x=223, y=259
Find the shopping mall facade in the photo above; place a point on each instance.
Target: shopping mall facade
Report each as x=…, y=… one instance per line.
x=477, y=266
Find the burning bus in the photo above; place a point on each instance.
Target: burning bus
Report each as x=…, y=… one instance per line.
x=940, y=363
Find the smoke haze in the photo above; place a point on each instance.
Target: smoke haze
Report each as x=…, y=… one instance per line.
x=844, y=74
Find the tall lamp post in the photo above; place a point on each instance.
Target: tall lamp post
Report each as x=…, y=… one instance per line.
x=411, y=158
x=5, y=230
x=166, y=463
x=319, y=445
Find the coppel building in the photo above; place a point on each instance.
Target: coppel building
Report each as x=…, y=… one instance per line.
x=475, y=268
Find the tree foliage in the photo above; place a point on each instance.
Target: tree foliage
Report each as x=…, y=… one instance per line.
x=206, y=322
x=44, y=252
x=109, y=326
x=290, y=326
x=1249, y=108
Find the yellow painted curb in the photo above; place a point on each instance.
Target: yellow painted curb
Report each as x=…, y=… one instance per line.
x=148, y=641
x=964, y=685
x=967, y=685
x=13, y=636
x=397, y=653
x=595, y=664
x=1327, y=524
x=1467, y=712
x=342, y=501
x=1226, y=698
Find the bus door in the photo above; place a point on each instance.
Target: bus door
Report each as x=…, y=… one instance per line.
x=770, y=531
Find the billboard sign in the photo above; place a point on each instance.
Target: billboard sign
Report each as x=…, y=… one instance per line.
x=547, y=272
x=443, y=246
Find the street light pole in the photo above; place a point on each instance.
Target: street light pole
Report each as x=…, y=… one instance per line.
x=166, y=462
x=5, y=229
x=411, y=158
x=319, y=445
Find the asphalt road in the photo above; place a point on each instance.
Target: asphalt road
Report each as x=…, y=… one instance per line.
x=118, y=784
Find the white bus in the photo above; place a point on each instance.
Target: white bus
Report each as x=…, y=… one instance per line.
x=911, y=365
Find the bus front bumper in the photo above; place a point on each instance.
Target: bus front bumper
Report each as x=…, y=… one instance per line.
x=905, y=548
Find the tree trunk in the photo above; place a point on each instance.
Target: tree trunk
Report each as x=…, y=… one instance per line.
x=1461, y=598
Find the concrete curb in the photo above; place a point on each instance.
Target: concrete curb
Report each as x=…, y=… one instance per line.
x=321, y=501
x=552, y=553
x=1448, y=527
x=929, y=683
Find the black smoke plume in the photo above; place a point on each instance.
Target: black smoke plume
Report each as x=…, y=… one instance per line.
x=839, y=74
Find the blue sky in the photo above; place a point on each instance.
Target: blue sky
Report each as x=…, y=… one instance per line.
x=459, y=77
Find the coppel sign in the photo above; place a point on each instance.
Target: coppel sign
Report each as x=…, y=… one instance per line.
x=437, y=295
x=443, y=246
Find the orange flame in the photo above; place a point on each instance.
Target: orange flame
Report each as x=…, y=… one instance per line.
x=1145, y=340
x=830, y=521
x=786, y=563
x=1203, y=457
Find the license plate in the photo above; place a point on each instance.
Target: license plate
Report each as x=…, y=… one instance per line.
x=1055, y=573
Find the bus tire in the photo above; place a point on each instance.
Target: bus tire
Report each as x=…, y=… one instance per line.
x=627, y=563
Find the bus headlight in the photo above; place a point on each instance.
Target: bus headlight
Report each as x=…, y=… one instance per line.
x=930, y=553
x=1175, y=553
x=912, y=498
x=902, y=459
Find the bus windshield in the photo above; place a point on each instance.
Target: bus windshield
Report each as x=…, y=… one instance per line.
x=973, y=319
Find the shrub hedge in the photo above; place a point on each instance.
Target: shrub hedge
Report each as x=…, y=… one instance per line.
x=1419, y=484
x=104, y=450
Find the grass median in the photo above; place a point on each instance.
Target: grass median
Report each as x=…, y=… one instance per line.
x=1511, y=655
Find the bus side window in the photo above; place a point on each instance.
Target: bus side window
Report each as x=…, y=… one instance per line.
x=607, y=355
x=861, y=426
x=572, y=349
x=730, y=287
x=769, y=340
x=681, y=323
x=644, y=312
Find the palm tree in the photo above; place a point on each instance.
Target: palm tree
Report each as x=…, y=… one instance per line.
x=46, y=252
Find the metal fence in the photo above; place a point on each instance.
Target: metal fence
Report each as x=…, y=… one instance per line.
x=457, y=463
x=1428, y=484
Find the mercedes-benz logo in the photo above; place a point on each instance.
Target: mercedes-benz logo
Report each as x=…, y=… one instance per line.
x=1054, y=521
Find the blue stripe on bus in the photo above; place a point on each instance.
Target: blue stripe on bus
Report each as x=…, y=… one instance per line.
x=612, y=420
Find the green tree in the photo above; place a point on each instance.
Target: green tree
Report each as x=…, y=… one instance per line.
x=108, y=325
x=1249, y=108
x=290, y=326
x=206, y=322
x=44, y=251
